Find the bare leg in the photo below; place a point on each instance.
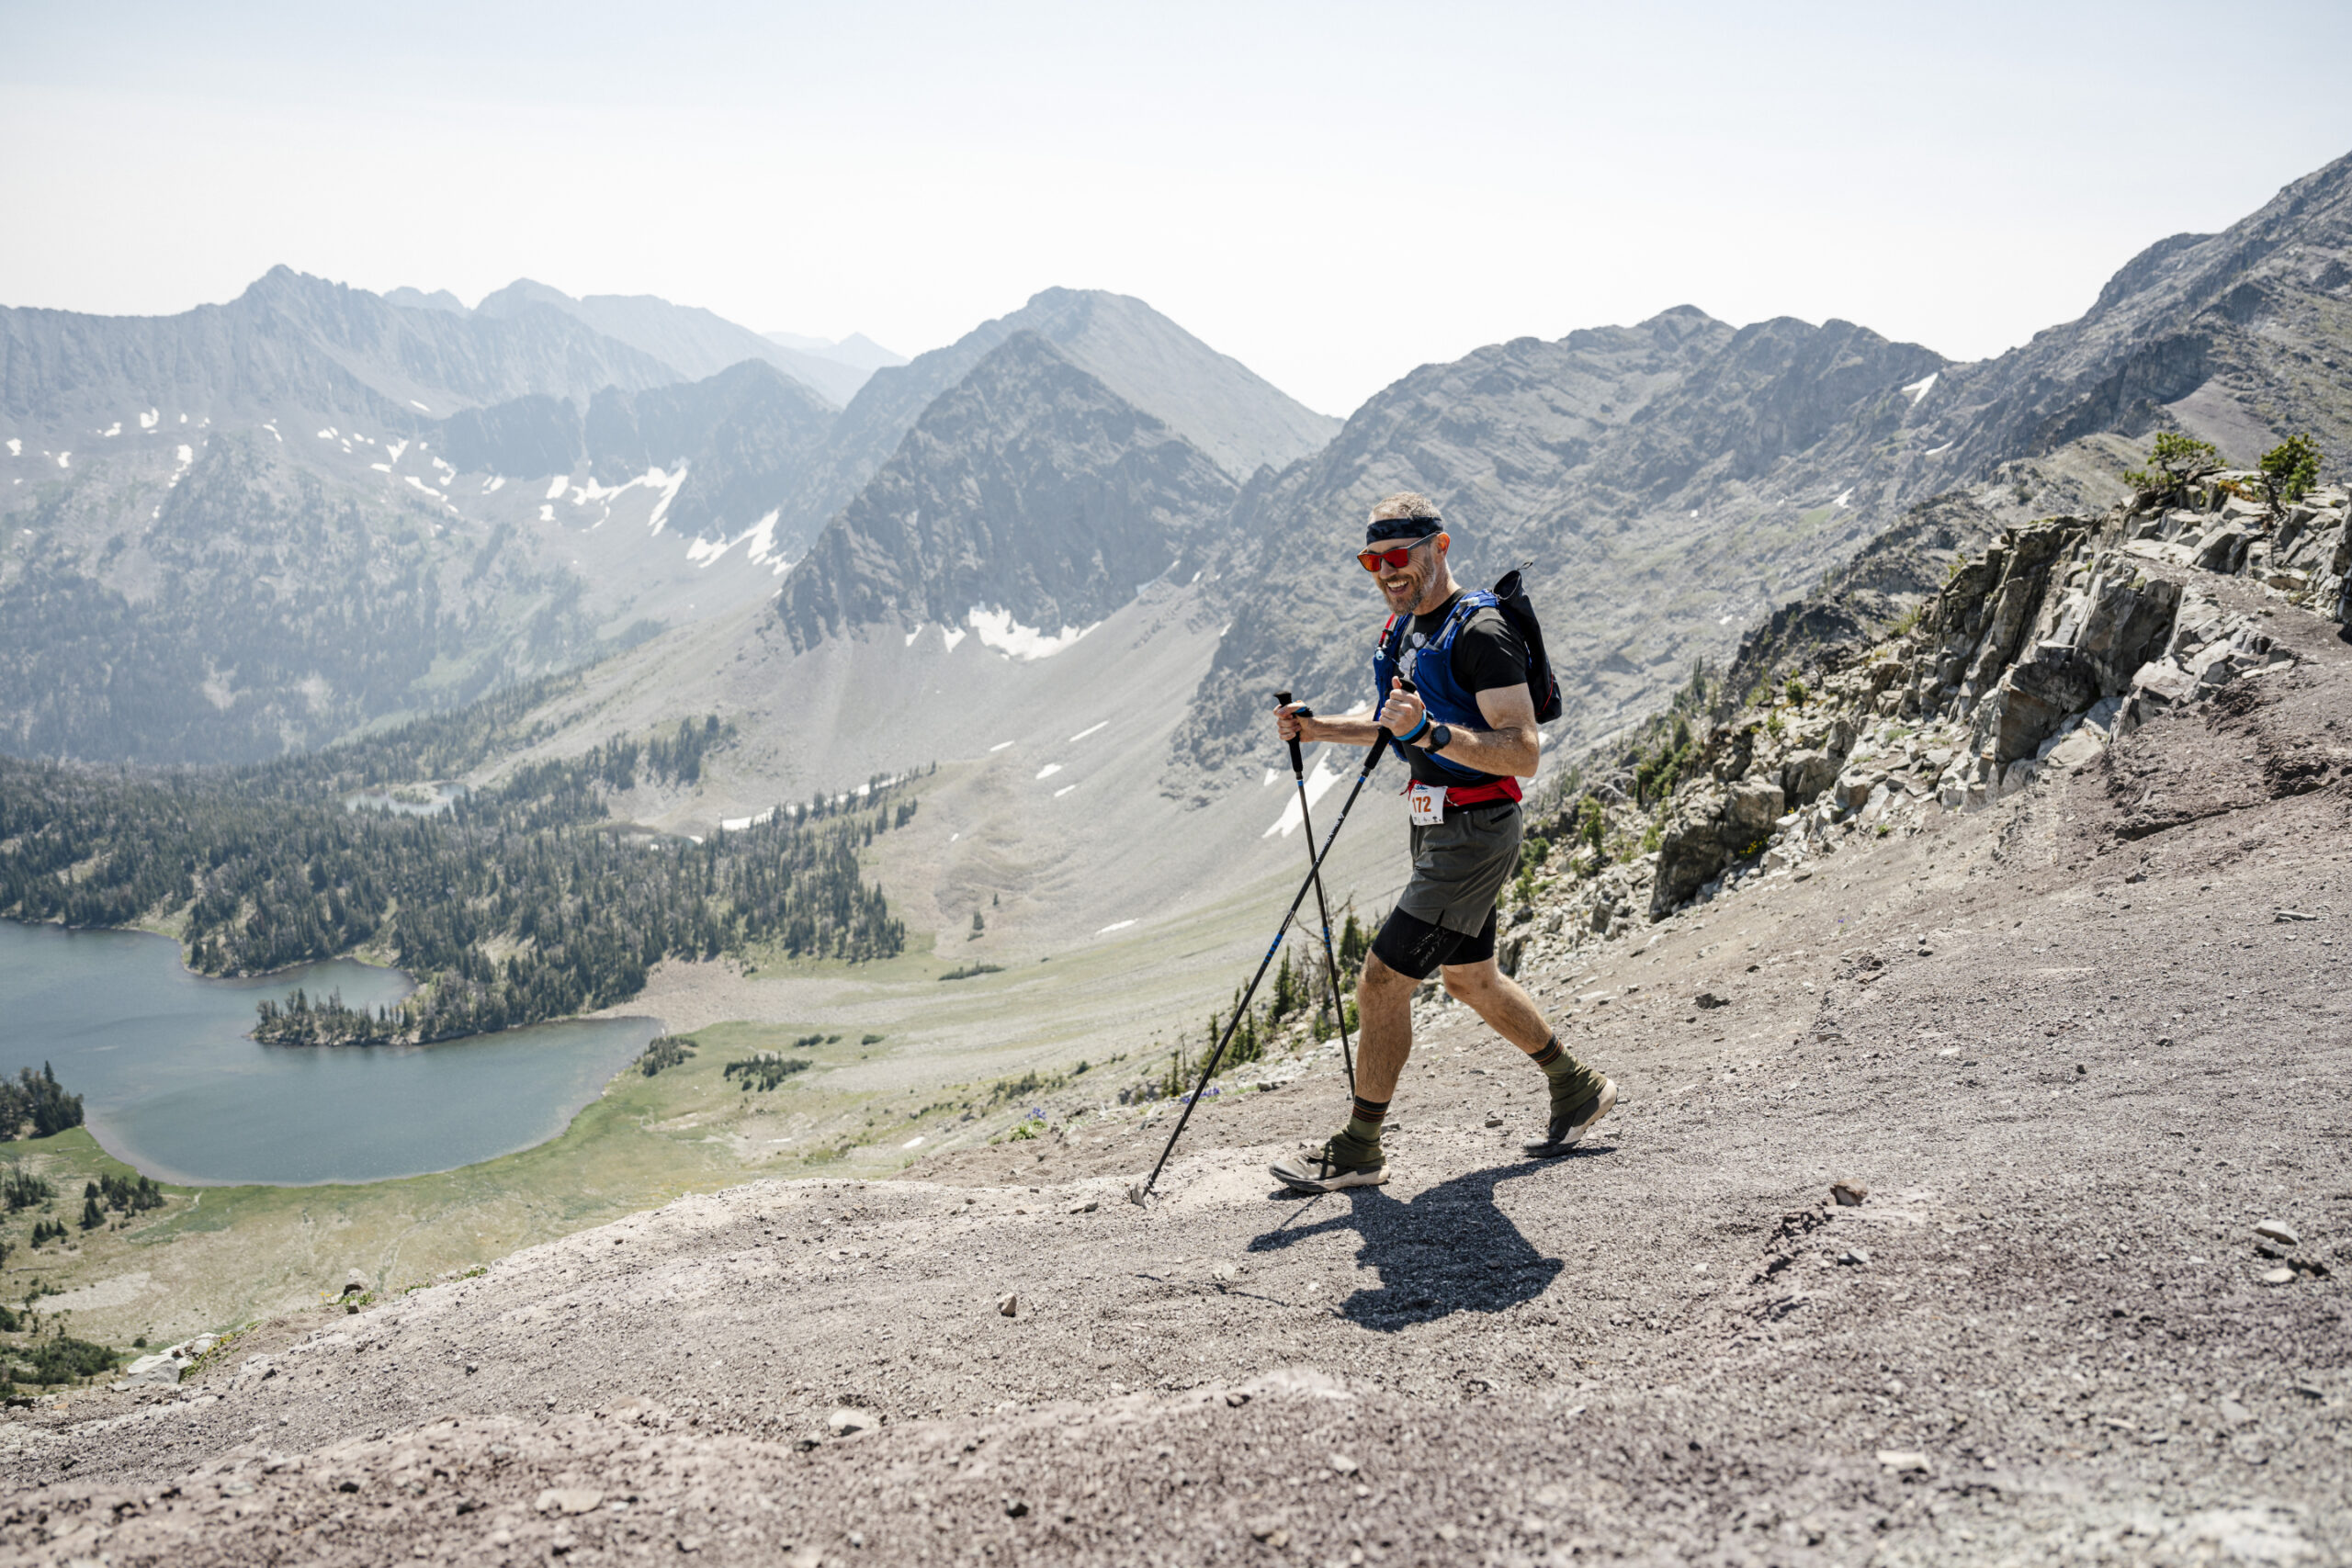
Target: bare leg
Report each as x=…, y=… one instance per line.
x=1579, y=1095
x=1385, y=1028
x=1500, y=999
x=1385, y=1013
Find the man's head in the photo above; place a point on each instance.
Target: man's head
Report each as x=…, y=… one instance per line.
x=1407, y=523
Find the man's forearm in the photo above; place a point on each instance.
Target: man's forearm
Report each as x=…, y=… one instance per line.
x=1511, y=751
x=1338, y=731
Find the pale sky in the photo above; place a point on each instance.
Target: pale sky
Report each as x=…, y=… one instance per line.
x=1334, y=193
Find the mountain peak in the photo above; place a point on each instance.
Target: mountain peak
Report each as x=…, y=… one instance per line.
x=283, y=282
x=1689, y=317
x=441, y=299
x=1239, y=418
x=857, y=351
x=524, y=291
x=1029, y=487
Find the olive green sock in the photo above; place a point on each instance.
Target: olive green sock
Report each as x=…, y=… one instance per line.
x=1360, y=1142
x=1572, y=1081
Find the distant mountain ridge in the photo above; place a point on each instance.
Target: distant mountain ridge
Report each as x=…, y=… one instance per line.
x=2238, y=337
x=291, y=342
x=694, y=341
x=510, y=490
x=1140, y=356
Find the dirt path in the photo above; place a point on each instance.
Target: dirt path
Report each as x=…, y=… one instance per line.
x=2070, y=1045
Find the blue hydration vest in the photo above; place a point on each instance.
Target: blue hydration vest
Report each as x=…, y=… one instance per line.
x=1427, y=664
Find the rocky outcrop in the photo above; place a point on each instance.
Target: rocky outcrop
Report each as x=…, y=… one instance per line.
x=2035, y=655
x=162, y=1369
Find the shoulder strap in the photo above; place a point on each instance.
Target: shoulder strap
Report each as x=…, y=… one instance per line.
x=1467, y=604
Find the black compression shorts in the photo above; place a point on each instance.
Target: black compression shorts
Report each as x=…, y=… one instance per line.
x=1410, y=946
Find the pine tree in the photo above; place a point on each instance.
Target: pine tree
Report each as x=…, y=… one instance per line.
x=1286, y=998
x=2289, y=470
x=2176, y=462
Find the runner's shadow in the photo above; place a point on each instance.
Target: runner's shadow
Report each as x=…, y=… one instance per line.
x=1448, y=1249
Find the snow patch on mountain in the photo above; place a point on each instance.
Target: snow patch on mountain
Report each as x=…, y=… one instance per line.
x=1320, y=780
x=999, y=630
x=760, y=536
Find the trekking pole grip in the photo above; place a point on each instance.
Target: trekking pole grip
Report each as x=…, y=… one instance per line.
x=1297, y=759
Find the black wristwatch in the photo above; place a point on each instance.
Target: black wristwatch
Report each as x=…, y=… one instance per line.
x=1441, y=737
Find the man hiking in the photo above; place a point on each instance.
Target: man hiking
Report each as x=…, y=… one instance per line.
x=1468, y=727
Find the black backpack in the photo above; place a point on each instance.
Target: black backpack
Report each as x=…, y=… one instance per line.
x=1511, y=596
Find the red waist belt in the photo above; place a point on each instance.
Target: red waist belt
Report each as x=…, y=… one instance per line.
x=1482, y=794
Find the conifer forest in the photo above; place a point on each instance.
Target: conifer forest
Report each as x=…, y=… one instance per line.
x=511, y=904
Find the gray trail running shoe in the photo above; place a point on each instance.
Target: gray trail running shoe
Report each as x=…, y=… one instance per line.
x=1574, y=1123
x=1329, y=1168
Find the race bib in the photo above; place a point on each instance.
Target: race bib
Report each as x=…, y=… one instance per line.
x=1427, y=803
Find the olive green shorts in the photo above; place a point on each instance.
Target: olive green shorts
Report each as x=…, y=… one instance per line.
x=1460, y=867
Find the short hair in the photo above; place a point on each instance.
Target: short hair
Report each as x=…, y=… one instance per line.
x=1405, y=503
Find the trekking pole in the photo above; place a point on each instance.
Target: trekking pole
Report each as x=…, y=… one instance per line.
x=1322, y=909
x=1371, y=760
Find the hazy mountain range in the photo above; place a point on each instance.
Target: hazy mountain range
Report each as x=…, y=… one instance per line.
x=692, y=342
x=857, y=351
x=258, y=524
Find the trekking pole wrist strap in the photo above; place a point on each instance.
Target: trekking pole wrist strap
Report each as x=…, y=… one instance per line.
x=1415, y=733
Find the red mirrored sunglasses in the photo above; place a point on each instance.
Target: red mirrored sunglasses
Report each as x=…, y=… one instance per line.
x=1373, y=561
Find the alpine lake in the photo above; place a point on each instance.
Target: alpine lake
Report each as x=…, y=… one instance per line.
x=171, y=1084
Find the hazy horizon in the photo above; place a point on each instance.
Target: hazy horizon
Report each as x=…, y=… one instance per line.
x=1330, y=196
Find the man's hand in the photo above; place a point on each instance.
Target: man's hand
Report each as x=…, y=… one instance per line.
x=1403, y=711
x=1293, y=722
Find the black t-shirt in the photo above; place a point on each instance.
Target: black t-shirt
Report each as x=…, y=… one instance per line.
x=1487, y=654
